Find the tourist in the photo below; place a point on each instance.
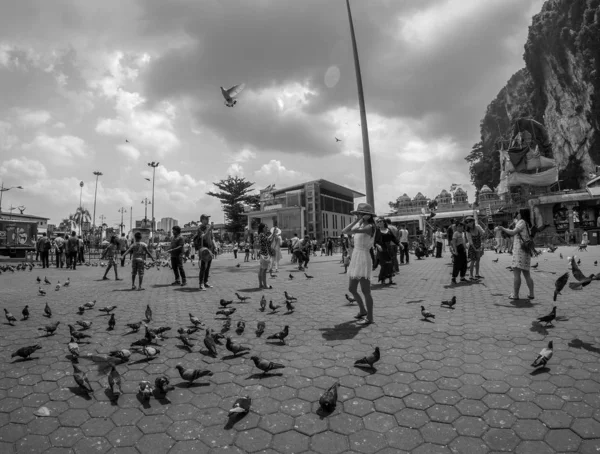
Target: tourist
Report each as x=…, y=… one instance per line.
x=110, y=252
x=122, y=248
x=59, y=243
x=176, y=250
x=459, y=253
x=386, y=252
x=439, y=242
x=138, y=251
x=81, y=251
x=44, y=246
x=72, y=250
x=204, y=245
x=360, y=267
x=264, y=255
x=302, y=249
x=521, y=260
x=276, y=248
x=404, y=243
x=395, y=245
x=475, y=240
x=330, y=246
x=246, y=252
x=235, y=249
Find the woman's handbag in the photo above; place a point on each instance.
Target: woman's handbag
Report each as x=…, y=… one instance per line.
x=528, y=246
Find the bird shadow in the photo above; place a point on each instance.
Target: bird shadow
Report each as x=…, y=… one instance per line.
x=122, y=290
x=225, y=358
x=447, y=307
x=144, y=402
x=186, y=385
x=6, y=323
x=261, y=376
x=233, y=420
x=561, y=318
x=250, y=290
x=414, y=301
x=427, y=320
x=539, y=371
x=140, y=361
x=80, y=392
x=112, y=397
x=21, y=360
x=343, y=331
x=322, y=413
x=579, y=344
x=365, y=368
x=288, y=313
x=186, y=289
x=538, y=328
x=161, y=398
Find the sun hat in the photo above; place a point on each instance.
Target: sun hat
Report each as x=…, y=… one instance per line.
x=363, y=208
x=276, y=231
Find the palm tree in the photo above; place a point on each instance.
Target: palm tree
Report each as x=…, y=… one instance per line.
x=81, y=215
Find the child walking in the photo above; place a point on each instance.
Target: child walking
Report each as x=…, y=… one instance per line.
x=139, y=251
x=109, y=253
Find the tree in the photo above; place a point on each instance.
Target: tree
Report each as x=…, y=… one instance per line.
x=234, y=194
x=81, y=215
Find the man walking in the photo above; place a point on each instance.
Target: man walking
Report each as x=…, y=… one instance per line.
x=73, y=250
x=122, y=248
x=204, y=244
x=176, y=250
x=404, y=243
x=59, y=243
x=43, y=246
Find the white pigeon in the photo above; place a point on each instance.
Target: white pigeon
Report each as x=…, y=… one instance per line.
x=544, y=356
x=231, y=93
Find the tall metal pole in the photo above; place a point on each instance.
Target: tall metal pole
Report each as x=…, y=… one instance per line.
x=80, y=211
x=363, y=116
x=154, y=165
x=121, y=225
x=130, y=218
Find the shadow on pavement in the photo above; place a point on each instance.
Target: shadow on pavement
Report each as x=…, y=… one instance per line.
x=579, y=344
x=343, y=331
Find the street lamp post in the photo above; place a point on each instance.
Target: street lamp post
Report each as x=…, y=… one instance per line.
x=121, y=225
x=363, y=116
x=154, y=165
x=80, y=211
x=98, y=174
x=3, y=190
x=146, y=203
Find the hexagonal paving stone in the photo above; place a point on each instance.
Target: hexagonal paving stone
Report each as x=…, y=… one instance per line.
x=253, y=440
x=369, y=392
x=367, y=441
x=563, y=440
x=276, y=423
x=126, y=416
x=501, y=440
x=31, y=444
x=124, y=436
x=418, y=401
x=413, y=419
x=154, y=424
x=438, y=433
x=345, y=424
x=590, y=446
x=329, y=443
x=97, y=427
x=184, y=430
x=587, y=428
x=290, y=441
x=12, y=432
x=310, y=424
x=189, y=446
x=379, y=422
x=404, y=438
x=556, y=419
x=155, y=443
x=470, y=426
x=530, y=429
x=526, y=410
x=534, y=447
x=388, y=404
x=469, y=445
x=470, y=407
x=501, y=419
x=442, y=413
x=97, y=445
x=65, y=437
x=358, y=407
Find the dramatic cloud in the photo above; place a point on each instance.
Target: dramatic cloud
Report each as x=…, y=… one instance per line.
x=87, y=89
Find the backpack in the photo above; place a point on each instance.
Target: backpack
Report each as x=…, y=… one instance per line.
x=47, y=245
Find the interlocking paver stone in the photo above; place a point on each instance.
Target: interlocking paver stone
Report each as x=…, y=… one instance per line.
x=461, y=385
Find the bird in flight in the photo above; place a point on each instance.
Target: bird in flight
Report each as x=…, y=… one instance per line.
x=231, y=93
x=338, y=140
x=147, y=179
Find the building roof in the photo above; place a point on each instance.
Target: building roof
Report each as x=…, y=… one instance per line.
x=420, y=196
x=324, y=184
x=485, y=189
x=17, y=216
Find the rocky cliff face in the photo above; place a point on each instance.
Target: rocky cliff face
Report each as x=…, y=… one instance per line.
x=560, y=87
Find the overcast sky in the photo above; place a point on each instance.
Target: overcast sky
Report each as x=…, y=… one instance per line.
x=80, y=78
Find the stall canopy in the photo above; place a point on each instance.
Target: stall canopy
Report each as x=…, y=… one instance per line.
x=405, y=218
x=593, y=187
x=453, y=214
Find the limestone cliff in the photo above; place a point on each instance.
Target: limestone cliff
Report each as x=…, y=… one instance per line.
x=560, y=87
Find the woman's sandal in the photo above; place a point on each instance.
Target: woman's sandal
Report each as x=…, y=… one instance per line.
x=512, y=297
x=365, y=323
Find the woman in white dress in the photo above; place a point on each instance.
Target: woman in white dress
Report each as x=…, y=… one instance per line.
x=361, y=265
x=521, y=260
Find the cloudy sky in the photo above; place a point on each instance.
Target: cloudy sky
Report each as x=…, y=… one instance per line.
x=113, y=85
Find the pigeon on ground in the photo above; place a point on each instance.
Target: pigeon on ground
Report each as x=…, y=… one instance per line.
x=107, y=309
x=148, y=313
x=495, y=260
x=25, y=312
x=349, y=299
x=80, y=310
x=560, y=284
x=231, y=93
x=241, y=405
x=369, y=361
x=226, y=326
x=237, y=266
x=135, y=327
x=50, y=329
x=192, y=374
x=263, y=303
x=10, y=317
x=289, y=297
x=67, y=282
x=188, y=331
x=145, y=389
x=308, y=276
x=162, y=384
x=90, y=304
x=186, y=342
x=281, y=335
x=242, y=299
x=544, y=356
x=73, y=347
x=111, y=322
x=241, y=326
x=329, y=398
x=449, y=303
x=291, y=276
x=227, y=312
x=48, y=311
x=265, y=365
x=150, y=352
x=26, y=352
x=260, y=328
x=114, y=381
x=81, y=379
x=84, y=324
x=273, y=307
x=195, y=320
x=210, y=344
x=38, y=280
x=225, y=303
x=595, y=262
x=548, y=319
x=535, y=266
x=122, y=354
x=46, y=281
x=41, y=291
x=236, y=349
x=426, y=314
x=289, y=306
x=78, y=335
x=57, y=288
x=560, y=255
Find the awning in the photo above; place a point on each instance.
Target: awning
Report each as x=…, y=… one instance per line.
x=453, y=214
x=404, y=218
x=594, y=191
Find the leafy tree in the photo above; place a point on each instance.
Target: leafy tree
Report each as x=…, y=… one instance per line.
x=81, y=215
x=235, y=192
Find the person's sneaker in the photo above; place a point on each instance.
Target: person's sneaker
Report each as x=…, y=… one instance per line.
x=184, y=283
x=453, y=281
x=105, y=278
x=176, y=283
x=118, y=279
x=207, y=285
x=462, y=279
x=202, y=288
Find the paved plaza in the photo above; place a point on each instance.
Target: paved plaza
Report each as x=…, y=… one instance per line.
x=460, y=384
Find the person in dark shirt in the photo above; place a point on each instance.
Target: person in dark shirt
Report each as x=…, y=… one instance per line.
x=176, y=251
x=204, y=246
x=73, y=250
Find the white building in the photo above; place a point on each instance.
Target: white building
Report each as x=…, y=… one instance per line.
x=167, y=224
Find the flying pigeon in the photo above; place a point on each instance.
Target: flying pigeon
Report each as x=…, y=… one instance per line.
x=369, y=361
x=231, y=93
x=560, y=284
x=544, y=356
x=241, y=405
x=337, y=140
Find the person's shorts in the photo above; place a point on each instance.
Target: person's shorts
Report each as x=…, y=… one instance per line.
x=265, y=262
x=137, y=267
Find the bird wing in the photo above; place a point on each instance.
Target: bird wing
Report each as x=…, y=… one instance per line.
x=236, y=90
x=577, y=274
